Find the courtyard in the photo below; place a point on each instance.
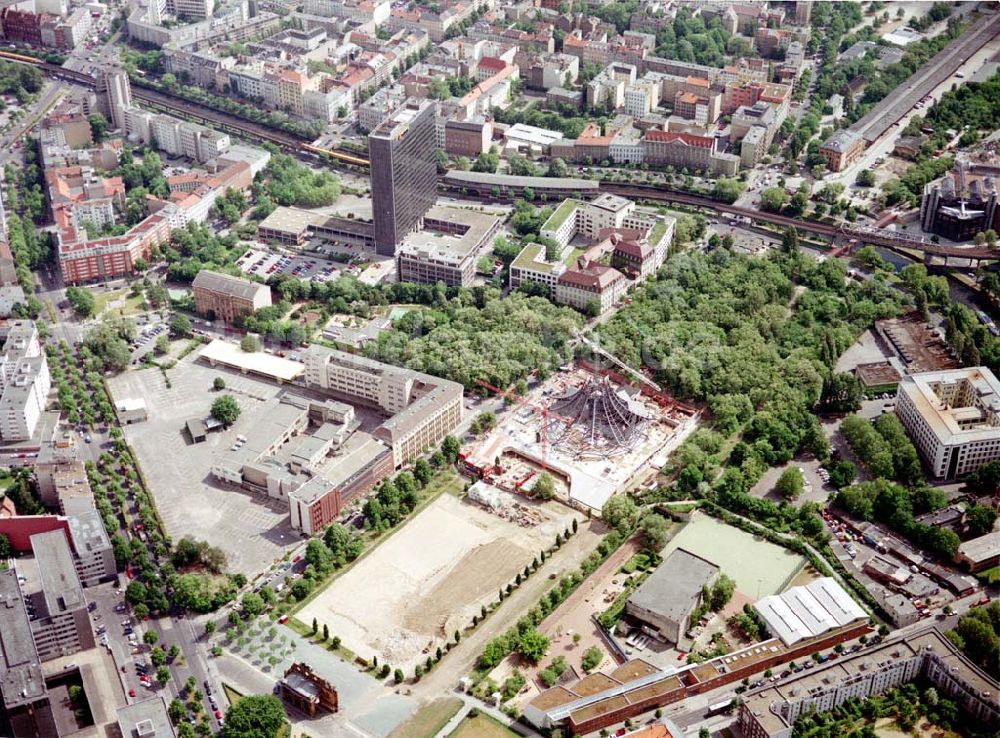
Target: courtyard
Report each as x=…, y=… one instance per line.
x=252, y=530
x=433, y=575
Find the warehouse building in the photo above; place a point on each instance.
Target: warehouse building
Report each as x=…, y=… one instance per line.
x=953, y=418
x=808, y=611
x=980, y=553
x=665, y=601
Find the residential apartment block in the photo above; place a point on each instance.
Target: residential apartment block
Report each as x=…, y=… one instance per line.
x=24, y=380
x=60, y=624
x=771, y=712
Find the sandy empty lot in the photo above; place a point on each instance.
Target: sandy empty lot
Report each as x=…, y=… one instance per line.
x=427, y=580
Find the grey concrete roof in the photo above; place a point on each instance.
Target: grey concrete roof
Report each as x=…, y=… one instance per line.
x=57, y=572
x=20, y=674
x=225, y=284
x=672, y=589
x=87, y=530
x=146, y=719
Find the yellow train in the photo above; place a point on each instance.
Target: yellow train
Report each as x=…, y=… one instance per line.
x=339, y=155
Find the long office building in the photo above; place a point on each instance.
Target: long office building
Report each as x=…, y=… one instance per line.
x=60, y=625
x=403, y=173
x=22, y=687
x=953, y=418
x=772, y=711
x=423, y=408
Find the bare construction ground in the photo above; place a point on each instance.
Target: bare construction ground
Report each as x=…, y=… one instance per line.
x=429, y=579
x=253, y=530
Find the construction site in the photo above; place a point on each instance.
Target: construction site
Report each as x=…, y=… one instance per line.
x=593, y=430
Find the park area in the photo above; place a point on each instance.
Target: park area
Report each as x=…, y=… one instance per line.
x=432, y=576
x=758, y=567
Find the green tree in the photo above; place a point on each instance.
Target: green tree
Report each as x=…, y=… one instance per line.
x=592, y=658
x=150, y=637
x=176, y=710
x=226, y=410
x=865, y=178
x=82, y=301
x=773, y=199
x=620, y=512
x=655, y=530
x=544, y=488
x=218, y=384
x=250, y=344
x=254, y=716
x=721, y=592
x=180, y=325
x=252, y=605
x=980, y=519
x=98, y=126
x=5, y=549
x=789, y=484
x=532, y=645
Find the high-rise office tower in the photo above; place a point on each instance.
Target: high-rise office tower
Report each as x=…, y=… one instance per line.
x=403, y=173
x=119, y=94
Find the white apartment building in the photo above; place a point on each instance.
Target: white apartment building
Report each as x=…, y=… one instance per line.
x=953, y=418
x=24, y=382
x=590, y=218
x=641, y=98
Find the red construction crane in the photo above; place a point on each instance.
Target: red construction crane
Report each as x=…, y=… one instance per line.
x=543, y=410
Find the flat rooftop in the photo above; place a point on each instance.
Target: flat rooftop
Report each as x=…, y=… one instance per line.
x=258, y=362
x=146, y=719
x=449, y=246
x=982, y=548
x=936, y=395
x=672, y=590
x=57, y=572
x=87, y=530
x=20, y=673
x=291, y=220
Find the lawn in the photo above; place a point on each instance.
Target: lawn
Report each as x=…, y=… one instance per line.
x=482, y=726
x=134, y=305
x=428, y=721
x=989, y=576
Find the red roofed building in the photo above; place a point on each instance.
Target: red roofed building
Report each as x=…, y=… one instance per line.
x=590, y=282
x=488, y=66
x=679, y=150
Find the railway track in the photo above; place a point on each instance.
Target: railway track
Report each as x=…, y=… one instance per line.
x=219, y=119
x=297, y=146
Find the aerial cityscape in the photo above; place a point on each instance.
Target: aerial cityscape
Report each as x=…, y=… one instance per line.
x=497, y=368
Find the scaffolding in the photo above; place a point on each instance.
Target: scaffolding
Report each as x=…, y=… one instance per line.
x=596, y=419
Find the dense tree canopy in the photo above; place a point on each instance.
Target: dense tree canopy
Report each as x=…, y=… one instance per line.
x=255, y=716
x=492, y=339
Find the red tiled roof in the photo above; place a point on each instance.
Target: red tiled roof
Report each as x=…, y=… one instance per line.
x=688, y=139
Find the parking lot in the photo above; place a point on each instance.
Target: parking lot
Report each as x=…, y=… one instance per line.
x=253, y=530
x=262, y=263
